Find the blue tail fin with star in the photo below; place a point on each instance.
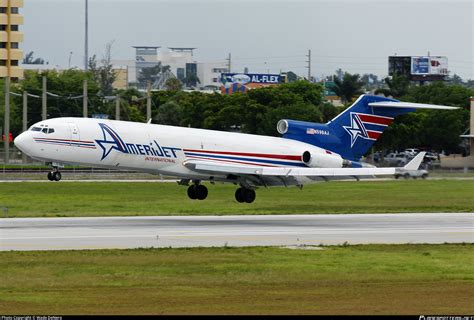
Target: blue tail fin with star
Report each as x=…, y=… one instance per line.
x=360, y=125
x=354, y=131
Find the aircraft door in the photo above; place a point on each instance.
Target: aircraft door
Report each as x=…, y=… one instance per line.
x=74, y=131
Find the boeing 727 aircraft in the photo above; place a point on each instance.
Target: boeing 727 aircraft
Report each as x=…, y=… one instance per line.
x=306, y=153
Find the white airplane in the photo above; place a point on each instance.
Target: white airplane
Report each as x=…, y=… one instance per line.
x=306, y=153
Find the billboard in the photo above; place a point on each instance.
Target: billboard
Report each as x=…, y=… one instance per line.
x=241, y=82
x=420, y=65
x=400, y=65
x=419, y=68
x=439, y=65
x=329, y=89
x=245, y=78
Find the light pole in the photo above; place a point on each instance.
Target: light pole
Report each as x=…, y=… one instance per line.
x=6, y=128
x=70, y=55
x=86, y=39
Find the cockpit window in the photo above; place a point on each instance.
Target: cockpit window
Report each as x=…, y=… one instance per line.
x=42, y=128
x=45, y=130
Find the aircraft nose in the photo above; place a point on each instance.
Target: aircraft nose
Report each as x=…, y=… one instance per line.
x=23, y=141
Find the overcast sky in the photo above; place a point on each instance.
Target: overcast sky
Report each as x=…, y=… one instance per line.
x=264, y=35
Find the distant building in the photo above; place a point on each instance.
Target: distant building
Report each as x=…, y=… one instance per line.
x=181, y=64
x=180, y=60
x=209, y=73
x=131, y=69
x=121, y=78
x=10, y=39
x=145, y=58
x=469, y=136
x=465, y=161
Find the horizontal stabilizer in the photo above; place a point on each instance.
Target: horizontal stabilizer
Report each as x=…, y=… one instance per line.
x=399, y=104
x=415, y=163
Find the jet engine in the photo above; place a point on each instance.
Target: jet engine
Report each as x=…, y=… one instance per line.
x=321, y=160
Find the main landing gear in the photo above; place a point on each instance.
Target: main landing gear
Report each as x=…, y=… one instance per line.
x=245, y=195
x=54, y=175
x=197, y=191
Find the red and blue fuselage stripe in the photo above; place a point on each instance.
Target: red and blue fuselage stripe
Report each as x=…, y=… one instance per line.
x=66, y=142
x=230, y=161
x=249, y=154
x=249, y=158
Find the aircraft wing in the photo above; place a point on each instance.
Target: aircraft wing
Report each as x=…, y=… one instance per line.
x=200, y=165
x=294, y=175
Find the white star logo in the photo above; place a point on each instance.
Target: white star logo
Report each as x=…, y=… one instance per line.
x=356, y=129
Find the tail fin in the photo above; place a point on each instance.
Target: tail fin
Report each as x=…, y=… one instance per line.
x=354, y=131
x=360, y=125
x=415, y=163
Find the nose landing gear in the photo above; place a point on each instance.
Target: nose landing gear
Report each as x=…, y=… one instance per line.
x=54, y=176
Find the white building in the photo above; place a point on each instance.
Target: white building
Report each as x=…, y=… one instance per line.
x=181, y=61
x=209, y=73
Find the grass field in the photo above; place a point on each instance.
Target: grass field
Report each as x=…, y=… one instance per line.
x=378, y=279
x=25, y=199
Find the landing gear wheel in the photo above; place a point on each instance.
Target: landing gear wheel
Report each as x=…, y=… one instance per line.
x=197, y=191
x=239, y=195
x=201, y=192
x=192, y=194
x=50, y=176
x=56, y=176
x=249, y=195
x=245, y=195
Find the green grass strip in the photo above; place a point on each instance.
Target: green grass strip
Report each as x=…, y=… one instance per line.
x=366, y=279
x=50, y=199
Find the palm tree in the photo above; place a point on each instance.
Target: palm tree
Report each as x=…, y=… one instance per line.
x=349, y=86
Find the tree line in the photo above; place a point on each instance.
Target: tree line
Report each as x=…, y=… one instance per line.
x=255, y=112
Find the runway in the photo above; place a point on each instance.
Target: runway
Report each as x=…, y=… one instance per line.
x=210, y=231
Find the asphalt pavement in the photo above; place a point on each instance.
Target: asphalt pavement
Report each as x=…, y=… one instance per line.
x=249, y=230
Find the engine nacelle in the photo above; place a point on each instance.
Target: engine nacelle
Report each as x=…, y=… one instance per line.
x=312, y=134
x=282, y=126
x=322, y=160
x=294, y=127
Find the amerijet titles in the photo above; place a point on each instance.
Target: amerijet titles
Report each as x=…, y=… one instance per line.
x=112, y=141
